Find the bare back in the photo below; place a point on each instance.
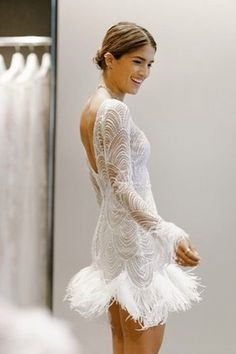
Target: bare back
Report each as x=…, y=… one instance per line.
x=87, y=121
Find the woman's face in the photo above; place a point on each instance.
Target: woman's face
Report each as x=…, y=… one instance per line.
x=127, y=73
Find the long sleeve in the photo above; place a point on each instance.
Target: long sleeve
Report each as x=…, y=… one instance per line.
x=117, y=155
x=116, y=133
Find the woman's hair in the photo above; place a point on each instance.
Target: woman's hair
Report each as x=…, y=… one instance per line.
x=122, y=38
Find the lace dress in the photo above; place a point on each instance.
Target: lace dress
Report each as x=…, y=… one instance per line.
x=133, y=248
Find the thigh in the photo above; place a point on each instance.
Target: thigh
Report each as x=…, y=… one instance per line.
x=114, y=319
x=158, y=335
x=143, y=342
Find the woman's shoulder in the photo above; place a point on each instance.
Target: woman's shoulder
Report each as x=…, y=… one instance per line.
x=104, y=103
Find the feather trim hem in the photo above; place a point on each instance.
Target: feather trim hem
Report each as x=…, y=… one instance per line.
x=171, y=289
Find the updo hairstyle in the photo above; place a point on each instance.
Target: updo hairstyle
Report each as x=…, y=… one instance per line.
x=122, y=38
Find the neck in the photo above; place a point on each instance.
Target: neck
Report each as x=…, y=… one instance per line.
x=111, y=88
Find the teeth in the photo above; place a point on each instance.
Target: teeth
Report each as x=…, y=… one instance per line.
x=138, y=81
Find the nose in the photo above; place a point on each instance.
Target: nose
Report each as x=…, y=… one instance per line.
x=144, y=72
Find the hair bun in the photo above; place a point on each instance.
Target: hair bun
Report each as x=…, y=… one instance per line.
x=98, y=54
x=98, y=59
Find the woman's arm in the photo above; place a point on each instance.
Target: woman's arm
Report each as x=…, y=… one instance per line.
x=117, y=155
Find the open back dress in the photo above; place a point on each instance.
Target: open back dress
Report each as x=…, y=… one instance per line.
x=133, y=247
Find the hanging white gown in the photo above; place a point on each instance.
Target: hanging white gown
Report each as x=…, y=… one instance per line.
x=133, y=248
x=23, y=194
x=2, y=65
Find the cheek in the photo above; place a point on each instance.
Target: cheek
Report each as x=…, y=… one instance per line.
x=131, y=71
x=126, y=73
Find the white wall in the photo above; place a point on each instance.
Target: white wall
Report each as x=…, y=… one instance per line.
x=187, y=110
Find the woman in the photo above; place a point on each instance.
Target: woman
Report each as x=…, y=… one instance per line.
x=135, y=276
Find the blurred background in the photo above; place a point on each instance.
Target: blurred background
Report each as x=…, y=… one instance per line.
x=27, y=100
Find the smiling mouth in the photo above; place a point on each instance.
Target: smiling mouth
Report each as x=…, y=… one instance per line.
x=136, y=81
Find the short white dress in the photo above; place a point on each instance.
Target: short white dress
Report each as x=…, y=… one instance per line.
x=133, y=247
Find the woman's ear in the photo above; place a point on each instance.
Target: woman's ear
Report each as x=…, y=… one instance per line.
x=109, y=59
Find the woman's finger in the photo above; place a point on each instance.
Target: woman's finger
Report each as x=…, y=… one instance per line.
x=188, y=251
x=188, y=257
x=188, y=263
x=191, y=254
x=179, y=261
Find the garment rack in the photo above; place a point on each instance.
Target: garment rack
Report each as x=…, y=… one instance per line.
x=25, y=41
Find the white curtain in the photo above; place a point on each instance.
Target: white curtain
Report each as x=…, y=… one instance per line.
x=24, y=117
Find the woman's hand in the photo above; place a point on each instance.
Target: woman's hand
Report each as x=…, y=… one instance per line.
x=186, y=254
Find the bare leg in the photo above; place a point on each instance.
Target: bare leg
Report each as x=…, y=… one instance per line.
x=140, y=342
x=158, y=335
x=116, y=329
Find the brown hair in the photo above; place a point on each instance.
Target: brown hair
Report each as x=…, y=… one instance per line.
x=122, y=38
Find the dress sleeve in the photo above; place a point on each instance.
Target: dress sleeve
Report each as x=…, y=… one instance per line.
x=117, y=156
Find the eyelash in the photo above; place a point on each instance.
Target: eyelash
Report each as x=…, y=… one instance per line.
x=139, y=62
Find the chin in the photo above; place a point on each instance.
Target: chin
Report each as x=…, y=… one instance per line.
x=132, y=92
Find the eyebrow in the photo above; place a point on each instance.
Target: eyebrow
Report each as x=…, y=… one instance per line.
x=141, y=58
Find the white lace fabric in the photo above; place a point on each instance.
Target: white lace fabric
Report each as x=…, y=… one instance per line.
x=133, y=247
